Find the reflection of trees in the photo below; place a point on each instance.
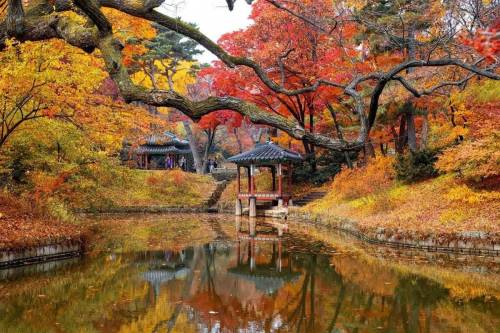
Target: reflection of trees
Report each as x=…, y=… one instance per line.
x=325, y=295
x=412, y=295
x=169, y=323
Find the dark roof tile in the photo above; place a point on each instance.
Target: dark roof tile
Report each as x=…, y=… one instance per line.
x=266, y=153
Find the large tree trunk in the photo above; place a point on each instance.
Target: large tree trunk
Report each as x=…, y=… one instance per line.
x=402, y=137
x=314, y=166
x=340, y=135
x=210, y=141
x=369, y=150
x=411, y=131
x=193, y=144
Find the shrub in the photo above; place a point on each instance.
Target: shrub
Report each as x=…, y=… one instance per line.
x=378, y=175
x=416, y=166
x=474, y=161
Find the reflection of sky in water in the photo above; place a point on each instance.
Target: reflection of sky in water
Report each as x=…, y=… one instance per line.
x=237, y=283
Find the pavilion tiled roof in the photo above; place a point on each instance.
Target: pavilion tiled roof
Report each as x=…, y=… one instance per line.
x=162, y=144
x=166, y=138
x=265, y=153
x=160, y=150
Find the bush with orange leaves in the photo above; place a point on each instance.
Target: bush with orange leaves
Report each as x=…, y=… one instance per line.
x=477, y=161
x=377, y=176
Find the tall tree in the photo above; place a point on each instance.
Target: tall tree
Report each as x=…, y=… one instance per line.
x=362, y=86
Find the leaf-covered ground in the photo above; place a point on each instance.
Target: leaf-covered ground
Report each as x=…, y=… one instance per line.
x=20, y=226
x=25, y=222
x=442, y=205
x=159, y=188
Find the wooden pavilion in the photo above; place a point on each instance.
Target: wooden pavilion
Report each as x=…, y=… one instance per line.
x=270, y=270
x=268, y=155
x=164, y=151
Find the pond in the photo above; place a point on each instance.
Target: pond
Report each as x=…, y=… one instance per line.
x=210, y=273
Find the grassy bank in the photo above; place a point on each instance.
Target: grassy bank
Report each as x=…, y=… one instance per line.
x=36, y=214
x=374, y=199
x=153, y=188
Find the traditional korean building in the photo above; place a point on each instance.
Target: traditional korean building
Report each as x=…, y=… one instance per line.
x=267, y=155
x=164, y=151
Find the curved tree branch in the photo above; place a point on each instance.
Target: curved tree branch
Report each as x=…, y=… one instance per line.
x=39, y=26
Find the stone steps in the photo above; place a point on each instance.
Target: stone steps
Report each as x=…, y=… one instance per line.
x=308, y=198
x=216, y=194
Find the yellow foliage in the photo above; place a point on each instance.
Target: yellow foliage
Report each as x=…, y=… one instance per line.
x=376, y=176
x=440, y=205
x=181, y=79
x=474, y=159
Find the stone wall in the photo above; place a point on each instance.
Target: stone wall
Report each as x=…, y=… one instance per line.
x=476, y=242
x=37, y=254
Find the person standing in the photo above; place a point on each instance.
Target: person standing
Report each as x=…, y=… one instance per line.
x=182, y=163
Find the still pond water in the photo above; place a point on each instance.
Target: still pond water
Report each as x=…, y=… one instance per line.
x=201, y=273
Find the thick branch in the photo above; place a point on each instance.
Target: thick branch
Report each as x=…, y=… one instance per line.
x=15, y=17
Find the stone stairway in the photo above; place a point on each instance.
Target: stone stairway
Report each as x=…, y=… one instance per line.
x=308, y=198
x=216, y=194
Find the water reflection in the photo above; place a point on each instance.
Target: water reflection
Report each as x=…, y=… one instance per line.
x=250, y=277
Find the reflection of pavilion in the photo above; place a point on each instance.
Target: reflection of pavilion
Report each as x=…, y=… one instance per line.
x=165, y=266
x=267, y=275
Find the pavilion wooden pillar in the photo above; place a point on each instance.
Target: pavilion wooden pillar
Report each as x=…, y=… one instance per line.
x=238, y=174
x=252, y=179
x=280, y=253
x=252, y=254
x=146, y=161
x=280, y=180
x=290, y=176
x=249, y=176
x=280, y=185
x=252, y=209
x=238, y=210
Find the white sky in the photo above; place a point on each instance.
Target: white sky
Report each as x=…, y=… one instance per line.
x=212, y=17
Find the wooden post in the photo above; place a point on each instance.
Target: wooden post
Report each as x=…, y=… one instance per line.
x=238, y=224
x=239, y=179
x=252, y=211
x=280, y=251
x=249, y=180
x=146, y=161
x=252, y=179
x=252, y=227
x=252, y=254
x=238, y=207
x=290, y=175
x=280, y=180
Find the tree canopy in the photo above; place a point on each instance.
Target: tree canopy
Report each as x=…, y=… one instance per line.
x=352, y=49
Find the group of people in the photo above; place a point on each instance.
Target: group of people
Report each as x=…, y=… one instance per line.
x=170, y=162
